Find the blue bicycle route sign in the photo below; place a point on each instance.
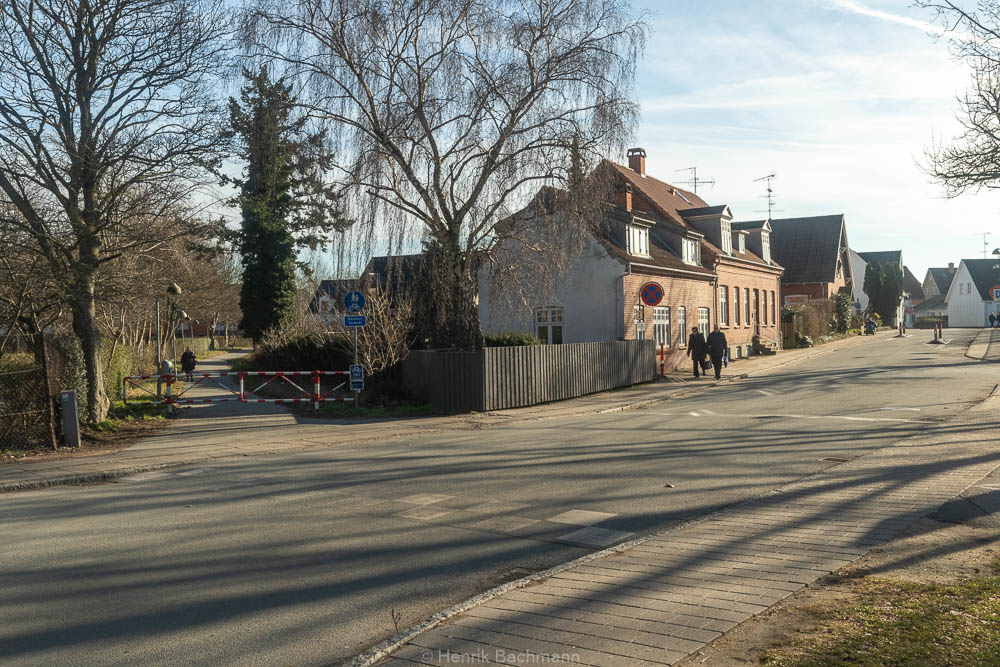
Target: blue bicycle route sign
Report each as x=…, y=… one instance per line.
x=355, y=301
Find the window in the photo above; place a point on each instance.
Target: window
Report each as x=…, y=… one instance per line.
x=661, y=325
x=960, y=288
x=968, y=288
x=638, y=240
x=736, y=306
x=682, y=326
x=549, y=324
x=743, y=243
x=746, y=300
x=703, y=321
x=639, y=319
x=765, y=248
x=723, y=306
x=756, y=308
x=727, y=237
x=691, y=251
x=763, y=312
x=774, y=310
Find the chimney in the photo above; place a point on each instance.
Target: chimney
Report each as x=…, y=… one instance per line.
x=951, y=266
x=623, y=196
x=637, y=160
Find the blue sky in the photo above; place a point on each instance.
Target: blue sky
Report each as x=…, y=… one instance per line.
x=840, y=98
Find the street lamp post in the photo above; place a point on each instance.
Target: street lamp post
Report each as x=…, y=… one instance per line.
x=173, y=289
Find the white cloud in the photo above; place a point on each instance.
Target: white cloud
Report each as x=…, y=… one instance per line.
x=858, y=8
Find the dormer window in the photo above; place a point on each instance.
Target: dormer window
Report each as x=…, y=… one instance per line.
x=638, y=240
x=765, y=246
x=691, y=251
x=727, y=237
x=743, y=243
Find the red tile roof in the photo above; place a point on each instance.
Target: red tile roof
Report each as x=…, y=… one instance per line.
x=667, y=202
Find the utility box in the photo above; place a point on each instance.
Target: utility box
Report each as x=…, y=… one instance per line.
x=70, y=418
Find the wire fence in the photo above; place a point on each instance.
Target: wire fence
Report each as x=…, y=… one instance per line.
x=31, y=372
x=27, y=415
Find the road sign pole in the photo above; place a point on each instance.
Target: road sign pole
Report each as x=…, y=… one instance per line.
x=356, y=361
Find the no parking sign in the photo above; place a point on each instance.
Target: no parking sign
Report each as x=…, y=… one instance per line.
x=651, y=294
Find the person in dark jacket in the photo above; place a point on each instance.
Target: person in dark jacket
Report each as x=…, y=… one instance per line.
x=717, y=346
x=696, y=349
x=188, y=361
x=993, y=320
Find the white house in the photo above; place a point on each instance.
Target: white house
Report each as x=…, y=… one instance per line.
x=974, y=293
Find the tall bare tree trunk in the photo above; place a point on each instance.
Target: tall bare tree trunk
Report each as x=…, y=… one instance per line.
x=87, y=332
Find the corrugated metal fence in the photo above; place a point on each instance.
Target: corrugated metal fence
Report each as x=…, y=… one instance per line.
x=509, y=377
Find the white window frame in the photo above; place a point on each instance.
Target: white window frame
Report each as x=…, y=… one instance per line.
x=763, y=307
x=639, y=319
x=704, y=320
x=550, y=318
x=691, y=252
x=746, y=299
x=727, y=237
x=723, y=305
x=638, y=240
x=661, y=325
x=682, y=326
x=737, y=315
x=774, y=310
x=765, y=245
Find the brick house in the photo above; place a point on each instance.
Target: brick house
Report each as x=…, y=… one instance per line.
x=657, y=235
x=395, y=274
x=937, y=280
x=814, y=254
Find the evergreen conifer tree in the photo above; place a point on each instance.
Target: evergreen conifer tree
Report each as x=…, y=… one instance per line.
x=283, y=200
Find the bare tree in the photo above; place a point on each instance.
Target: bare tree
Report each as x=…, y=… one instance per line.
x=972, y=160
x=106, y=112
x=450, y=114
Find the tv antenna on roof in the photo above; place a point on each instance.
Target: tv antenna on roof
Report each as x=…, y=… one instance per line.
x=694, y=178
x=986, y=243
x=770, y=192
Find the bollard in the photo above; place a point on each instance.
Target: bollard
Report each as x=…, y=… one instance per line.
x=71, y=419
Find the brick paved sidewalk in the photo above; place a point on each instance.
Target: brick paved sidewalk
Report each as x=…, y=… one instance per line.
x=657, y=601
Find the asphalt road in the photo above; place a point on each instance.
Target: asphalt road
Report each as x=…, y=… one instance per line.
x=308, y=558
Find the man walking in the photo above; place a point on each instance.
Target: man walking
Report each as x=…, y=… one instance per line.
x=993, y=320
x=717, y=346
x=696, y=349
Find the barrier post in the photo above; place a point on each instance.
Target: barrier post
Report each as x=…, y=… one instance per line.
x=316, y=390
x=243, y=396
x=170, y=387
x=124, y=392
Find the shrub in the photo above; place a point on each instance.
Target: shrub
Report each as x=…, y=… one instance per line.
x=510, y=339
x=288, y=351
x=68, y=369
x=116, y=366
x=843, y=305
x=803, y=340
x=816, y=317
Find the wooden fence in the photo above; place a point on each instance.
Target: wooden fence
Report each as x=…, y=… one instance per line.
x=510, y=377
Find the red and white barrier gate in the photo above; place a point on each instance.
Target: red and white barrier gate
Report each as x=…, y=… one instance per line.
x=242, y=394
